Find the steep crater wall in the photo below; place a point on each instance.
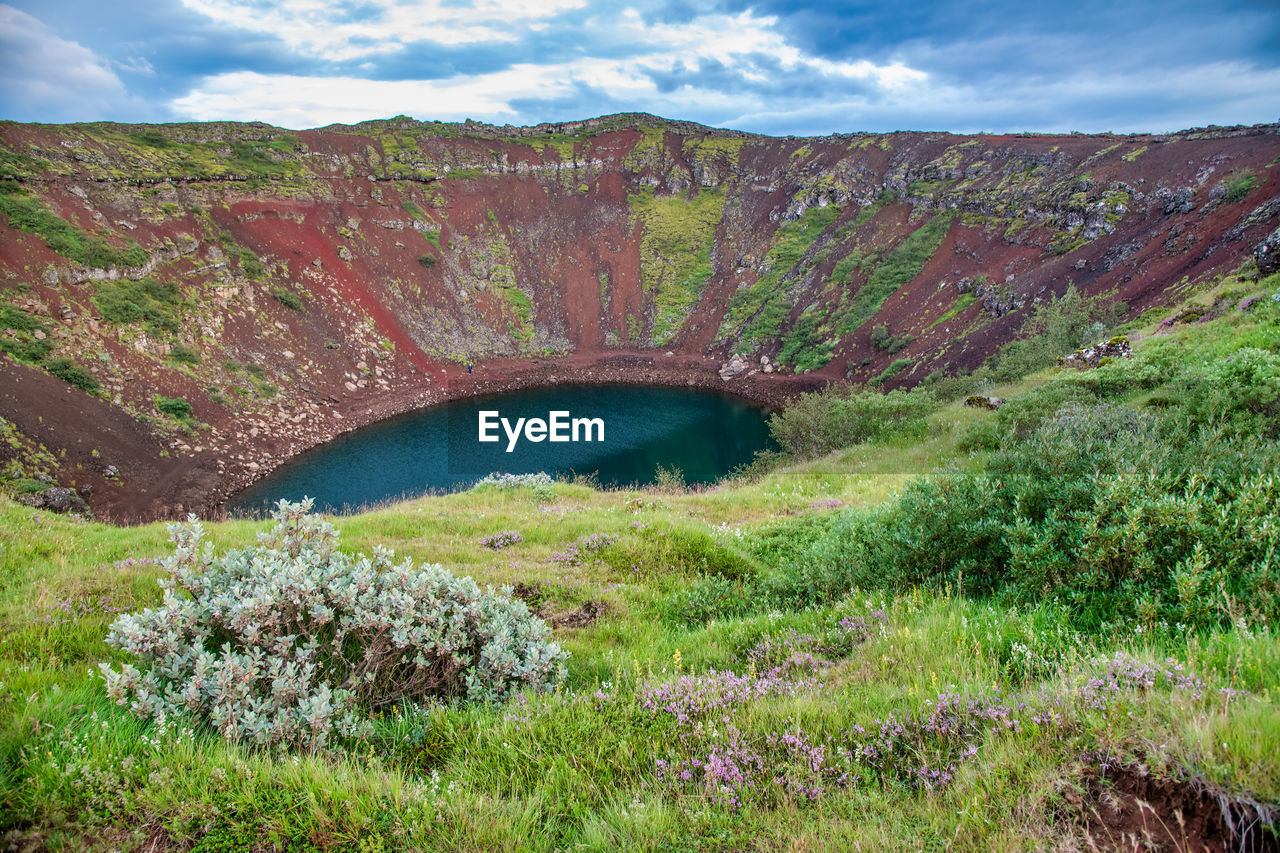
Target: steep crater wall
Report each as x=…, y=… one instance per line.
x=230, y=294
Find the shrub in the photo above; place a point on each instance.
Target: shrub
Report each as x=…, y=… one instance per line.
x=881, y=339
x=1057, y=327
x=1238, y=185
x=540, y=479
x=292, y=641
x=174, y=407
x=184, y=355
x=287, y=298
x=427, y=261
x=1113, y=514
x=72, y=374
x=838, y=417
x=1241, y=389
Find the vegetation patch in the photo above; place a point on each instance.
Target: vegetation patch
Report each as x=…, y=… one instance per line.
x=26, y=213
x=756, y=313
x=882, y=339
x=1238, y=185
x=174, y=407
x=901, y=266
x=22, y=336
x=346, y=636
x=288, y=298
x=807, y=344
x=184, y=355
x=895, y=367
x=72, y=374
x=155, y=304
x=841, y=416
x=963, y=301
x=675, y=253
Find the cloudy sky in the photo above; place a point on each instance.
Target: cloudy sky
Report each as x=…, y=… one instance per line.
x=773, y=66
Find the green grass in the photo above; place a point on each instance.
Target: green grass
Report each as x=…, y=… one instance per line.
x=153, y=303
x=1238, y=185
x=26, y=213
x=963, y=301
x=895, y=367
x=901, y=266
x=756, y=313
x=675, y=253
x=579, y=768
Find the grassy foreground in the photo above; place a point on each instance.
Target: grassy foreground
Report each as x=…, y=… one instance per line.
x=904, y=717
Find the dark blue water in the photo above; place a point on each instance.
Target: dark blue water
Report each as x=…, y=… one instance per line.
x=702, y=433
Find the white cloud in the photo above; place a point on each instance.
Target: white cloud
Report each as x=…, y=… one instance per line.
x=736, y=42
x=48, y=78
x=310, y=27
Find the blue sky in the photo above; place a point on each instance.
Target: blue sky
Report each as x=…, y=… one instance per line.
x=772, y=66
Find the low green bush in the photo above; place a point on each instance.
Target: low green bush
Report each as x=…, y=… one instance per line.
x=1114, y=514
x=1240, y=390
x=1055, y=328
x=882, y=339
x=174, y=407
x=72, y=374
x=1238, y=185
x=838, y=417
x=288, y=298
x=184, y=355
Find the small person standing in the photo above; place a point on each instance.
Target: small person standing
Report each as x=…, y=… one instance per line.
x=468, y=367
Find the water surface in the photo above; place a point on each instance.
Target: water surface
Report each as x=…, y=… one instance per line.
x=703, y=433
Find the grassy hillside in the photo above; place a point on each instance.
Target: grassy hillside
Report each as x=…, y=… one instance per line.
x=820, y=654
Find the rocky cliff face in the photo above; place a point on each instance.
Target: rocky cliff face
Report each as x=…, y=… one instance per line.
x=234, y=293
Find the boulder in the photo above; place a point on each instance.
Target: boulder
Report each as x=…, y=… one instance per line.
x=984, y=401
x=735, y=366
x=1083, y=359
x=1267, y=254
x=57, y=499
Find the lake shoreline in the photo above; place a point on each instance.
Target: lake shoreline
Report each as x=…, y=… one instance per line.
x=203, y=483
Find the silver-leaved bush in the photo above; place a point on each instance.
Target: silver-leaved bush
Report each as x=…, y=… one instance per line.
x=291, y=641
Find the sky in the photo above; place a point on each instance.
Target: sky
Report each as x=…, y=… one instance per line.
x=781, y=67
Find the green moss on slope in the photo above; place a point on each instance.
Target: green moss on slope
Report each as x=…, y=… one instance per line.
x=675, y=253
